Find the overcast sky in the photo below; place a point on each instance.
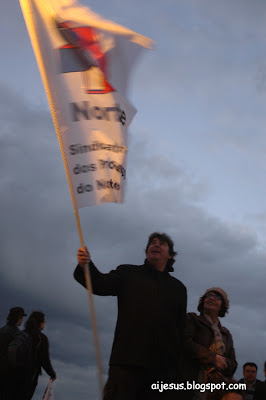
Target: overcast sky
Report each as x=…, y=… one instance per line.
x=196, y=170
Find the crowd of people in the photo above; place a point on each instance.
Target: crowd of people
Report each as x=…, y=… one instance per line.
x=155, y=340
x=157, y=346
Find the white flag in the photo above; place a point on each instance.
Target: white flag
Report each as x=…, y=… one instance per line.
x=85, y=63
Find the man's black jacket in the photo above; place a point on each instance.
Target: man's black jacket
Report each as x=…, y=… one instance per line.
x=151, y=314
x=7, y=334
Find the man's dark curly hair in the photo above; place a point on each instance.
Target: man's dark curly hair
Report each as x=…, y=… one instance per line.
x=223, y=309
x=164, y=238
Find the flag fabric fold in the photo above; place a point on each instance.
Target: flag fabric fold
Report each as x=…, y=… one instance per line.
x=85, y=62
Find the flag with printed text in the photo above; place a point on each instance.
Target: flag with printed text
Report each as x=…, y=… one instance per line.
x=85, y=62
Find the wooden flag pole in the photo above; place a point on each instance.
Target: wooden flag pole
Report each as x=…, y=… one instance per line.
x=91, y=306
x=29, y=19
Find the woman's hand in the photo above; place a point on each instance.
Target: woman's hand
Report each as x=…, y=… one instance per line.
x=221, y=362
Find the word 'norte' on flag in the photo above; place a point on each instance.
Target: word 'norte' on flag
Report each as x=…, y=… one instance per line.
x=85, y=62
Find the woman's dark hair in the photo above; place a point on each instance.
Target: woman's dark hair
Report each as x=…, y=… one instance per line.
x=223, y=309
x=164, y=238
x=33, y=323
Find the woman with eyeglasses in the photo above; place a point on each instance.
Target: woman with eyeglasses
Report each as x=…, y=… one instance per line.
x=209, y=355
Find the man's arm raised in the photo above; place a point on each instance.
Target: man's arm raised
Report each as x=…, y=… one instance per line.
x=102, y=284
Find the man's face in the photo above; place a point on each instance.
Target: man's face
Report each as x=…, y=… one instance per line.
x=250, y=373
x=158, y=252
x=20, y=320
x=42, y=325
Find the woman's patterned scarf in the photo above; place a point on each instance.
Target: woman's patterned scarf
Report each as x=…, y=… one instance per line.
x=217, y=345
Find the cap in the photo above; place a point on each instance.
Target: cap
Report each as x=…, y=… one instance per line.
x=16, y=312
x=221, y=292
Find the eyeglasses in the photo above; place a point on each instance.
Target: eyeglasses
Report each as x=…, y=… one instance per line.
x=214, y=295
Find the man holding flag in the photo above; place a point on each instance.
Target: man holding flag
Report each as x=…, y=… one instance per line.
x=151, y=317
x=85, y=62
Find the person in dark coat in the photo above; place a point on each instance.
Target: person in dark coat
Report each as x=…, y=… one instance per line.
x=7, y=334
x=209, y=354
x=250, y=370
x=151, y=317
x=31, y=347
x=260, y=392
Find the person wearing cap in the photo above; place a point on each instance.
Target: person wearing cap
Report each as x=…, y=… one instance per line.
x=14, y=319
x=209, y=354
x=150, y=323
x=7, y=334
